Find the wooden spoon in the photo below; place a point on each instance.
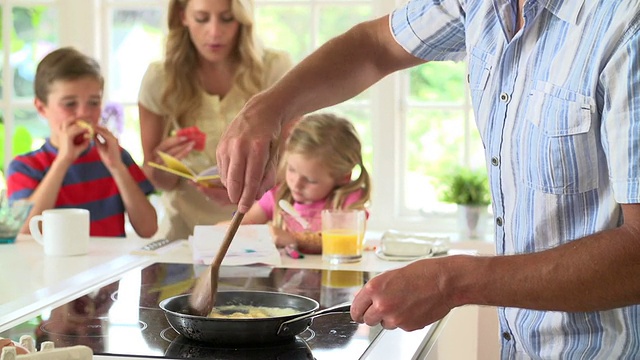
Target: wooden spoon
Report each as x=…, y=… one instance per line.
x=204, y=292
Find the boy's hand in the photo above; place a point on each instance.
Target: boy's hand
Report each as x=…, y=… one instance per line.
x=108, y=147
x=72, y=140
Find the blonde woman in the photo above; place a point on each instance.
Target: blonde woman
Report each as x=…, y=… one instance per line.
x=321, y=168
x=213, y=64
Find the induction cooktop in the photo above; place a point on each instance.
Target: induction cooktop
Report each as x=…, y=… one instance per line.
x=123, y=318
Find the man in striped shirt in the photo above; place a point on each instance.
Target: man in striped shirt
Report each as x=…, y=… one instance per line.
x=556, y=90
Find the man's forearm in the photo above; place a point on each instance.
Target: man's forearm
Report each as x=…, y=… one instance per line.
x=599, y=272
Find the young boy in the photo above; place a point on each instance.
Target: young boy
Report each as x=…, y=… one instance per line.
x=81, y=164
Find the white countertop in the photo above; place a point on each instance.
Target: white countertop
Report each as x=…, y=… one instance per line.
x=32, y=281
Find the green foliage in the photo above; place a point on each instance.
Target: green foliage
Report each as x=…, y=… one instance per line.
x=465, y=187
x=20, y=143
x=438, y=82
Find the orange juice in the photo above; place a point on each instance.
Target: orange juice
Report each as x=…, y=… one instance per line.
x=342, y=243
x=342, y=235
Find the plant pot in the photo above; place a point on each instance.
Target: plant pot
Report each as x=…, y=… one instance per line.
x=472, y=221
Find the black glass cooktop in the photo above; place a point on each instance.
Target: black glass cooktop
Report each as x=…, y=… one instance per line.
x=123, y=318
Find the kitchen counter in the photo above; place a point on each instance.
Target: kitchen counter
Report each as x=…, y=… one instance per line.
x=33, y=282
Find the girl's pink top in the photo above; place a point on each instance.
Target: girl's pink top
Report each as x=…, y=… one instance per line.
x=268, y=203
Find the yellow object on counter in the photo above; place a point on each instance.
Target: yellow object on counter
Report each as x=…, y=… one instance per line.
x=342, y=242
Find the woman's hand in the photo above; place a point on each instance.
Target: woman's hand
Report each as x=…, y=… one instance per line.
x=176, y=146
x=216, y=194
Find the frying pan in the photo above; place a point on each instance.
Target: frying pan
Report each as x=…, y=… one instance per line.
x=251, y=331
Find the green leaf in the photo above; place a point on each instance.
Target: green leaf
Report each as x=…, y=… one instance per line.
x=465, y=187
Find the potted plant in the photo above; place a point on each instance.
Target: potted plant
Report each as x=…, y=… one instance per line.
x=469, y=189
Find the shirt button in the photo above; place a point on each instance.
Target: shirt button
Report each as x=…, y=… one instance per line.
x=495, y=161
x=499, y=223
x=504, y=97
x=506, y=336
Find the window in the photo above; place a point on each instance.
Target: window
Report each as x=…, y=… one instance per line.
x=414, y=124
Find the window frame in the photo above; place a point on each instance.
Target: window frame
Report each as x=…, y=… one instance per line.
x=389, y=100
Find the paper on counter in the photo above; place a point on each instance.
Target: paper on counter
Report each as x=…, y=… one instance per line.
x=252, y=244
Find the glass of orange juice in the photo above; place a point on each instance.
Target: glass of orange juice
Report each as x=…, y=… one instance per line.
x=342, y=235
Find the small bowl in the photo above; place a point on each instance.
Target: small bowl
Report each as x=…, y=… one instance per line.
x=309, y=241
x=12, y=217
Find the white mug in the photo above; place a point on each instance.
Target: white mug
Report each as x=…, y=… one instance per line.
x=65, y=232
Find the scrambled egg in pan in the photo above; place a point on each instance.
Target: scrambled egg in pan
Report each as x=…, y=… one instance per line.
x=249, y=312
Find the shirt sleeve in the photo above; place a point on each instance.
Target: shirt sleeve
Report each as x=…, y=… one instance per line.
x=267, y=203
x=430, y=30
x=621, y=120
x=137, y=174
x=22, y=179
x=151, y=87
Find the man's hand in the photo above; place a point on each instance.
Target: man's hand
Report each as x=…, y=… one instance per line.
x=384, y=299
x=247, y=158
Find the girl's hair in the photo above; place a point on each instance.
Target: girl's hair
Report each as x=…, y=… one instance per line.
x=335, y=142
x=182, y=92
x=64, y=64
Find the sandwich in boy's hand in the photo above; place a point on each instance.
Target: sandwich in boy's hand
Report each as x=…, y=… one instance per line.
x=88, y=134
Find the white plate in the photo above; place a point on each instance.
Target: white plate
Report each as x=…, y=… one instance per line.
x=383, y=256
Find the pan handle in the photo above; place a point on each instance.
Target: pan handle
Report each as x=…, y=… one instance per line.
x=285, y=330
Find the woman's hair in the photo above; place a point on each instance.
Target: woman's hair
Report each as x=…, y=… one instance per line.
x=64, y=64
x=335, y=142
x=182, y=92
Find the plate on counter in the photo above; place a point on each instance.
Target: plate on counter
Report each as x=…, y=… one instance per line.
x=402, y=246
x=380, y=254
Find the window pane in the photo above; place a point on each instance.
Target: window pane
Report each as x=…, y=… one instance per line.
x=29, y=132
x=285, y=28
x=35, y=35
x=136, y=40
x=2, y=142
x=130, y=137
x=334, y=20
x=1, y=64
x=438, y=82
x=434, y=143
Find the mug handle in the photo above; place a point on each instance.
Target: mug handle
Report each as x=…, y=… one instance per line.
x=34, y=228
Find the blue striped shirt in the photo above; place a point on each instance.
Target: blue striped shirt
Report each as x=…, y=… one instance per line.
x=558, y=110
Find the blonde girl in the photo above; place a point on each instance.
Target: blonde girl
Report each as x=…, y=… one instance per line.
x=213, y=64
x=320, y=158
